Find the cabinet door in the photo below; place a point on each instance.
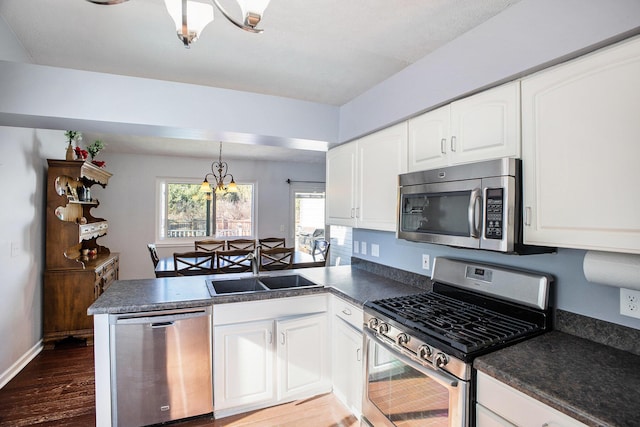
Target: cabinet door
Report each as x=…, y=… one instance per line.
x=303, y=356
x=381, y=157
x=340, y=188
x=347, y=365
x=243, y=364
x=486, y=126
x=512, y=406
x=428, y=139
x=580, y=132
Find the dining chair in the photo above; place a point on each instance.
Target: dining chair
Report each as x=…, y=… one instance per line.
x=235, y=261
x=193, y=263
x=320, y=253
x=272, y=242
x=210, y=245
x=153, y=252
x=275, y=259
x=241, y=244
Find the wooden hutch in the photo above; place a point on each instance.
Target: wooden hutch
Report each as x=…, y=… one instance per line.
x=77, y=268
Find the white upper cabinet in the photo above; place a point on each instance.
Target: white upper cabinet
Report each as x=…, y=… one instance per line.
x=481, y=127
x=581, y=152
x=341, y=185
x=362, y=179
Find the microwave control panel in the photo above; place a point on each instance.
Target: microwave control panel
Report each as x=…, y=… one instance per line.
x=494, y=214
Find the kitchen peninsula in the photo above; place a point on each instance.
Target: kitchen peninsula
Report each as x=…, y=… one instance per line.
x=357, y=283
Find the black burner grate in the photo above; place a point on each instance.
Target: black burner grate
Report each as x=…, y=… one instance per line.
x=466, y=327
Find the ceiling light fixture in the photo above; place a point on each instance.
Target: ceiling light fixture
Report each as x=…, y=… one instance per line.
x=191, y=16
x=220, y=186
x=252, y=11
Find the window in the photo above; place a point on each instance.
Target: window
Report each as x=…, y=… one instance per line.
x=186, y=214
x=308, y=201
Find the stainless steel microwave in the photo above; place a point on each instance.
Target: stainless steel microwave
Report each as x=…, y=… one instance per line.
x=476, y=205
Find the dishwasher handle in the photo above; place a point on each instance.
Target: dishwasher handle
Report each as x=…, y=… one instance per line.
x=159, y=325
x=159, y=321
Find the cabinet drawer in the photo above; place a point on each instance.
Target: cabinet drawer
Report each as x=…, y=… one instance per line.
x=518, y=408
x=348, y=312
x=93, y=230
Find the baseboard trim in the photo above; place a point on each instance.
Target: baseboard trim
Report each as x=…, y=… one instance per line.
x=20, y=364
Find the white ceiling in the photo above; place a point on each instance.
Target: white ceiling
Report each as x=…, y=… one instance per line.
x=325, y=51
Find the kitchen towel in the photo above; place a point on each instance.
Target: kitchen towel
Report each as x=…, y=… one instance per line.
x=613, y=269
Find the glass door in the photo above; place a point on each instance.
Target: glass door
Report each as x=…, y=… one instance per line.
x=308, y=204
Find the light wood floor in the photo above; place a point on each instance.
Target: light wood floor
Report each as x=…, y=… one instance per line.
x=57, y=389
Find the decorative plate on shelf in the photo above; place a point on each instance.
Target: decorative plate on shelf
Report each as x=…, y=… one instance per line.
x=60, y=213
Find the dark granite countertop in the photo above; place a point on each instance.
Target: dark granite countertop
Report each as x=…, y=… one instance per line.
x=594, y=383
x=354, y=284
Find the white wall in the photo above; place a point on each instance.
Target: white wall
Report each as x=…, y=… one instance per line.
x=516, y=41
x=22, y=170
x=128, y=202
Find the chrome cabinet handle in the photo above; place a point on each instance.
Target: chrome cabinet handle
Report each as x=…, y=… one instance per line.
x=353, y=210
x=346, y=311
x=453, y=143
x=359, y=355
x=527, y=216
x=270, y=337
x=443, y=145
x=282, y=336
x=476, y=196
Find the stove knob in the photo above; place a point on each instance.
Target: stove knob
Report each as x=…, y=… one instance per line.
x=441, y=360
x=424, y=352
x=402, y=339
x=383, y=328
x=373, y=323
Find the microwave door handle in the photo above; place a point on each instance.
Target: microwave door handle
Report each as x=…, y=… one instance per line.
x=476, y=196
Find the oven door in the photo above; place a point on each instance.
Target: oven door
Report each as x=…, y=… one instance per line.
x=449, y=213
x=400, y=391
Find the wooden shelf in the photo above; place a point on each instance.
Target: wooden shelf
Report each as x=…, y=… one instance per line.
x=72, y=281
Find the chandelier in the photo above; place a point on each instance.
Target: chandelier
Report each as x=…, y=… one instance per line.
x=220, y=176
x=191, y=17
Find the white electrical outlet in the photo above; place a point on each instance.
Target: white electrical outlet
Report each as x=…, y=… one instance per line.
x=356, y=247
x=425, y=261
x=363, y=248
x=630, y=303
x=375, y=250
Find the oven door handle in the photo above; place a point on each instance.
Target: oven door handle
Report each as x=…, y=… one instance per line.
x=474, y=211
x=437, y=374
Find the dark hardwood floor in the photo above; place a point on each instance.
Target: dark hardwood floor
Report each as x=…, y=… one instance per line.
x=57, y=389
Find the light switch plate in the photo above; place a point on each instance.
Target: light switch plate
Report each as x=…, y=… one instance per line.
x=356, y=247
x=375, y=250
x=363, y=248
x=426, y=261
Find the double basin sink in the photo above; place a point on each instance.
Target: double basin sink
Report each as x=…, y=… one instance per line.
x=259, y=284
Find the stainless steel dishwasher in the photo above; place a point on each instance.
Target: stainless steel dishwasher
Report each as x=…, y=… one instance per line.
x=160, y=366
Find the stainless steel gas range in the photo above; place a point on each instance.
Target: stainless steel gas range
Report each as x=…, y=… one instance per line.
x=419, y=348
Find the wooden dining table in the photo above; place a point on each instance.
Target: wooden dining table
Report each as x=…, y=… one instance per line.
x=301, y=259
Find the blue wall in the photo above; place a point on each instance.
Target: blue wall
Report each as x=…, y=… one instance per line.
x=573, y=292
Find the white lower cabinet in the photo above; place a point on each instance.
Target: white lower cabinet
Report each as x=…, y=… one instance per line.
x=280, y=353
x=501, y=405
x=303, y=362
x=347, y=354
x=243, y=364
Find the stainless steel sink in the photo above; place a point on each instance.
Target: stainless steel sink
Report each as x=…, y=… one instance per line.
x=259, y=284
